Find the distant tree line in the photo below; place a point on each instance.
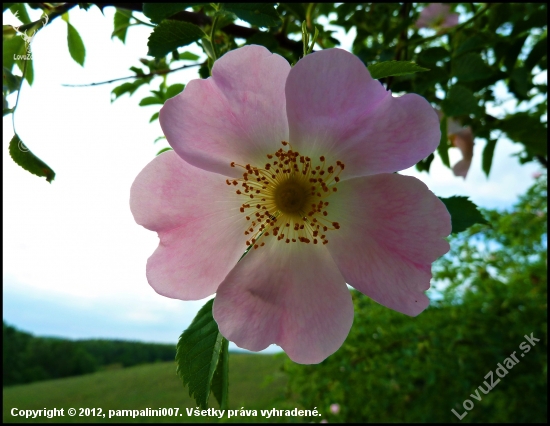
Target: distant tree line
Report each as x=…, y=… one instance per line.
x=28, y=358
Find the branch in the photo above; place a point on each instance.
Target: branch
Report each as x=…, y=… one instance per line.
x=202, y=19
x=152, y=74
x=56, y=12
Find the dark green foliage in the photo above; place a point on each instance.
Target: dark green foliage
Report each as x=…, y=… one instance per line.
x=29, y=359
x=259, y=14
x=393, y=368
x=494, y=43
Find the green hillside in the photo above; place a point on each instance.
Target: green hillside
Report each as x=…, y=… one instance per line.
x=256, y=382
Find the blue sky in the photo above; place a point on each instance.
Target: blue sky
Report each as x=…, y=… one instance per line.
x=74, y=259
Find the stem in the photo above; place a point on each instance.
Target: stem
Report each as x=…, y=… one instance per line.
x=154, y=73
x=212, y=32
x=17, y=98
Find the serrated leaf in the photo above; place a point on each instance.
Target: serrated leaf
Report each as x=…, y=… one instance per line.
x=170, y=35
x=27, y=160
x=487, y=156
x=151, y=100
x=76, y=46
x=174, y=89
x=156, y=12
x=443, y=147
x=121, y=23
x=471, y=67
x=464, y=213
x=199, y=351
x=154, y=117
x=459, y=101
x=220, y=381
x=394, y=68
x=258, y=14
x=164, y=149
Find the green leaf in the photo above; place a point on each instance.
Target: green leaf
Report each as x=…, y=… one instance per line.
x=538, y=52
x=21, y=11
x=76, y=46
x=443, y=147
x=220, y=381
x=30, y=162
x=164, y=149
x=476, y=42
x=151, y=100
x=432, y=55
x=154, y=117
x=156, y=12
x=123, y=88
x=174, y=89
x=394, y=68
x=207, y=47
x=470, y=67
x=188, y=56
x=11, y=46
x=121, y=23
x=464, y=213
x=487, y=157
x=424, y=165
x=459, y=101
x=199, y=352
x=11, y=82
x=528, y=130
x=170, y=35
x=258, y=14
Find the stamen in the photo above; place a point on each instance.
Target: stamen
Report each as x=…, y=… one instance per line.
x=292, y=192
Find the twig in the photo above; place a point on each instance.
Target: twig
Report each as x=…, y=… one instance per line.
x=154, y=73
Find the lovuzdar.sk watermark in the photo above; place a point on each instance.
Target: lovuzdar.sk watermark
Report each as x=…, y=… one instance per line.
x=501, y=371
x=28, y=39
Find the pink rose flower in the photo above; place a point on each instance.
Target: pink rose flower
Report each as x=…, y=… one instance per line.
x=299, y=163
x=437, y=15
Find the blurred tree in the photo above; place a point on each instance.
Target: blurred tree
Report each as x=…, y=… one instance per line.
x=491, y=293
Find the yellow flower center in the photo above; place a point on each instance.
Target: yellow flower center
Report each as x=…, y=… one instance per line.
x=287, y=198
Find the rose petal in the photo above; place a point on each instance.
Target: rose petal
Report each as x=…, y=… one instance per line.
x=392, y=229
x=463, y=139
x=288, y=294
x=199, y=224
x=450, y=21
x=337, y=110
x=236, y=115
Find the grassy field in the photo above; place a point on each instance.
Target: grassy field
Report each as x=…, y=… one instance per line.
x=255, y=382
